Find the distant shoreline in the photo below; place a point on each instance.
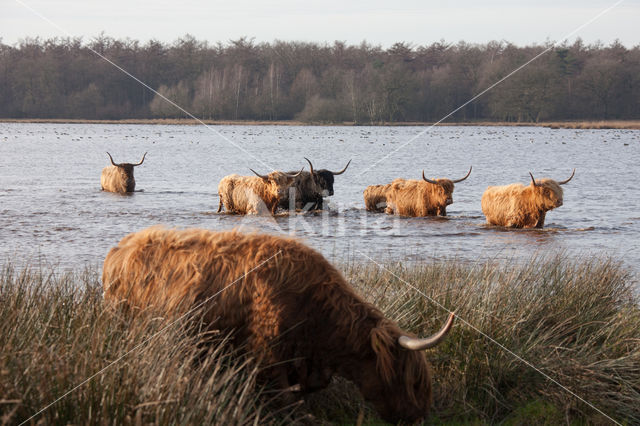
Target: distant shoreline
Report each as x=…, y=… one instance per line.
x=601, y=124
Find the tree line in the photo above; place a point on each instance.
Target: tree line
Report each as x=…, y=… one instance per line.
x=313, y=82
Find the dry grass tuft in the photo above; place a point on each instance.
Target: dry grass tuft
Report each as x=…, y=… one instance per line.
x=55, y=332
x=576, y=320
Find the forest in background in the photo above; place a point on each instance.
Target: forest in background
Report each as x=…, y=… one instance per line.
x=317, y=83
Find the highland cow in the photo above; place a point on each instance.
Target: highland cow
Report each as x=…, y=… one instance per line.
x=375, y=197
x=519, y=206
x=283, y=303
x=310, y=188
x=119, y=177
x=254, y=195
x=410, y=197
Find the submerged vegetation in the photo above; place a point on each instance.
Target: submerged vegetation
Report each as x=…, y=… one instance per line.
x=317, y=82
x=575, y=320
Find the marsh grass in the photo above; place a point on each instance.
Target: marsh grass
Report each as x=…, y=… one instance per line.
x=576, y=320
x=55, y=332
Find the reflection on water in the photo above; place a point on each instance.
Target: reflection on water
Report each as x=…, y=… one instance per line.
x=51, y=205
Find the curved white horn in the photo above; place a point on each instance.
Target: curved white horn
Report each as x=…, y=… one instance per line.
x=570, y=177
x=533, y=181
x=341, y=171
x=429, y=180
x=460, y=180
x=416, y=344
x=141, y=161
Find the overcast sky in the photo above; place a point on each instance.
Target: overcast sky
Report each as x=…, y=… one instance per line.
x=378, y=22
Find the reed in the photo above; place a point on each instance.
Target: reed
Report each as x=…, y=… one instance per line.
x=585, y=124
x=576, y=320
x=55, y=333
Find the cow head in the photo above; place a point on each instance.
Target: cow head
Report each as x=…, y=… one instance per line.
x=278, y=182
x=548, y=192
x=323, y=179
x=398, y=381
x=127, y=170
x=446, y=186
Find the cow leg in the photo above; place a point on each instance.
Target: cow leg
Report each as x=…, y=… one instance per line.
x=308, y=207
x=540, y=223
x=220, y=206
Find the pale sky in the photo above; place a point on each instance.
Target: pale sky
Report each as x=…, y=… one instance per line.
x=378, y=22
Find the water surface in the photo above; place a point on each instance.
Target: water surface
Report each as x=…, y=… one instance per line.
x=52, y=209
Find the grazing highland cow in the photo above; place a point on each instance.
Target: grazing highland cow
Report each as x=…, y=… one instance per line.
x=254, y=195
x=284, y=303
x=375, y=197
x=310, y=187
x=119, y=177
x=519, y=206
x=409, y=197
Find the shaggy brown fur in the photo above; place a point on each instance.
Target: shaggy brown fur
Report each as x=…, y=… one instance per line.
x=296, y=313
x=519, y=206
x=252, y=194
x=409, y=197
x=375, y=199
x=119, y=177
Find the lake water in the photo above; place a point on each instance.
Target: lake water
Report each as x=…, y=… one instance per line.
x=53, y=212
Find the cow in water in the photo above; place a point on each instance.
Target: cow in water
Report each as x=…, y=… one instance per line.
x=119, y=177
x=310, y=188
x=375, y=197
x=258, y=194
x=284, y=304
x=410, y=197
x=520, y=206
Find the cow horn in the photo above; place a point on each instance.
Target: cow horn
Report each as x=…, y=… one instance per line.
x=415, y=344
x=341, y=171
x=429, y=180
x=292, y=176
x=460, y=180
x=310, y=168
x=265, y=177
x=570, y=177
x=141, y=161
x=533, y=181
x=111, y=158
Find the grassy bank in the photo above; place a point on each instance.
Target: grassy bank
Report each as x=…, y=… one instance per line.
x=585, y=124
x=575, y=320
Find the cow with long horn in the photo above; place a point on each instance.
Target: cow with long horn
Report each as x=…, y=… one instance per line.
x=283, y=303
x=311, y=187
x=119, y=176
x=411, y=197
x=520, y=206
x=258, y=194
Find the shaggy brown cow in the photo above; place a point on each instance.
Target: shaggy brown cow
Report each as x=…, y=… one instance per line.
x=310, y=187
x=375, y=197
x=284, y=303
x=254, y=195
x=519, y=206
x=119, y=177
x=410, y=197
